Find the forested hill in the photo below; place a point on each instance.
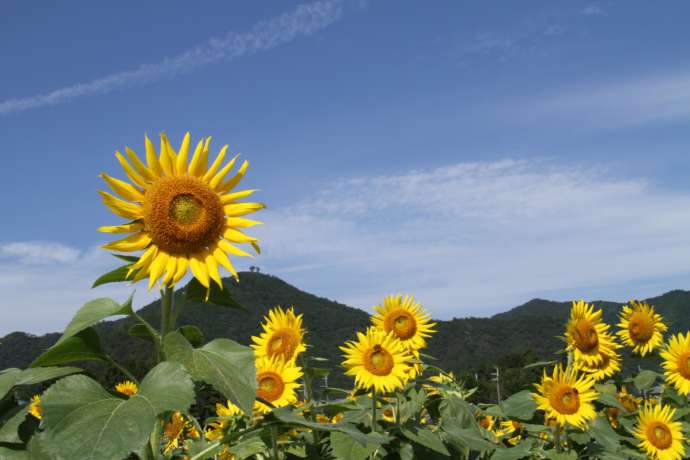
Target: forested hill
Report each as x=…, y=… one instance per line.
x=467, y=346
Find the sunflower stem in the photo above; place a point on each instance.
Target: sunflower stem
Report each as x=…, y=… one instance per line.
x=122, y=369
x=274, y=442
x=557, y=438
x=373, y=410
x=166, y=313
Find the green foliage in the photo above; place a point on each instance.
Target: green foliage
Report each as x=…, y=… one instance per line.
x=83, y=346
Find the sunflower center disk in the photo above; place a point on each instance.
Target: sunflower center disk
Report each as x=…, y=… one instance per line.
x=402, y=323
x=659, y=435
x=565, y=399
x=585, y=336
x=684, y=365
x=640, y=327
x=271, y=386
x=378, y=361
x=182, y=215
x=282, y=343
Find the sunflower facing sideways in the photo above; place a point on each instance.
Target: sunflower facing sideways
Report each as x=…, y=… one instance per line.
x=183, y=214
x=282, y=335
x=276, y=381
x=405, y=318
x=377, y=360
x=587, y=336
x=641, y=327
x=660, y=437
x=609, y=365
x=566, y=397
x=676, y=358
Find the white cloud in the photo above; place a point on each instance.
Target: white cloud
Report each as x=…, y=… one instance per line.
x=304, y=20
x=593, y=10
x=476, y=238
x=38, y=252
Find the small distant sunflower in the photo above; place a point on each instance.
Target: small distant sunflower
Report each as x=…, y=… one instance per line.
x=487, y=422
x=610, y=364
x=676, y=358
x=406, y=318
x=216, y=429
x=566, y=397
x=377, y=360
x=512, y=429
x=127, y=388
x=276, y=383
x=436, y=380
x=388, y=414
x=182, y=214
x=641, y=327
x=660, y=437
x=35, y=407
x=177, y=430
x=586, y=335
x=629, y=401
x=282, y=335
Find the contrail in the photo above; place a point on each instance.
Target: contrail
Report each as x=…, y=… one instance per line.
x=304, y=20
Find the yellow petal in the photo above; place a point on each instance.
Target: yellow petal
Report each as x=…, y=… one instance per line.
x=125, y=228
x=120, y=207
x=135, y=242
x=230, y=197
x=145, y=259
x=241, y=209
x=122, y=188
x=202, y=164
x=237, y=236
x=241, y=222
x=232, y=183
x=181, y=165
x=212, y=267
x=157, y=267
x=167, y=163
x=131, y=173
x=198, y=266
x=152, y=158
x=230, y=249
x=221, y=174
x=170, y=269
x=222, y=259
x=196, y=158
x=182, y=264
x=139, y=165
x=216, y=164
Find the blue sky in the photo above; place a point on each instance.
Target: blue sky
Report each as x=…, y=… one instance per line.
x=474, y=154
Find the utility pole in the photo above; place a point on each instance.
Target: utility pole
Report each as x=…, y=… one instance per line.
x=497, y=378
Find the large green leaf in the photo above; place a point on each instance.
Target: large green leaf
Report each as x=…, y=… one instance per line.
x=93, y=312
x=344, y=447
x=195, y=291
x=425, y=437
x=14, y=377
x=645, y=379
x=7, y=453
x=521, y=405
x=114, y=276
x=522, y=450
x=225, y=364
x=9, y=433
x=83, y=346
x=84, y=421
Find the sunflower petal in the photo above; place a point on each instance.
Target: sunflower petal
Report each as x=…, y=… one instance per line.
x=182, y=265
x=167, y=163
x=131, y=173
x=157, y=267
x=181, y=162
x=230, y=249
x=135, y=242
x=230, y=197
x=122, y=188
x=241, y=222
x=170, y=270
x=223, y=259
x=198, y=266
x=146, y=258
x=125, y=228
x=216, y=164
x=215, y=181
x=196, y=158
x=152, y=158
x=139, y=165
x=242, y=209
x=232, y=182
x=120, y=207
x=237, y=236
x=212, y=267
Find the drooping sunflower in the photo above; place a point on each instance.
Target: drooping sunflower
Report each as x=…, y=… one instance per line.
x=127, y=388
x=641, y=327
x=377, y=360
x=566, y=397
x=176, y=430
x=676, y=358
x=406, y=318
x=35, y=407
x=183, y=214
x=282, y=335
x=660, y=437
x=586, y=335
x=276, y=383
x=216, y=429
x=609, y=365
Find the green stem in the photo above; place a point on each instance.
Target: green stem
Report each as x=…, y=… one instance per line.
x=557, y=438
x=166, y=313
x=274, y=442
x=122, y=369
x=373, y=410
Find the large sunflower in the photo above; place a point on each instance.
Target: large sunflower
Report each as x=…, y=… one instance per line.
x=609, y=365
x=377, y=360
x=406, y=319
x=182, y=214
x=677, y=362
x=276, y=382
x=566, y=397
x=282, y=335
x=641, y=327
x=587, y=336
x=660, y=437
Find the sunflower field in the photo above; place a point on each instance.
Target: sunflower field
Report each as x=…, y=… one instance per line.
x=184, y=216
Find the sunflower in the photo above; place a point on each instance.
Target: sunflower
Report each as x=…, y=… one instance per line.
x=586, y=335
x=127, y=388
x=641, y=327
x=676, y=358
x=406, y=319
x=277, y=382
x=216, y=429
x=177, y=430
x=282, y=335
x=660, y=437
x=566, y=397
x=35, y=407
x=438, y=380
x=512, y=428
x=609, y=365
x=377, y=360
x=182, y=214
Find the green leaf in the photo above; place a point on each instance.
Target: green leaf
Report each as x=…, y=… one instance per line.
x=249, y=447
x=225, y=364
x=94, y=311
x=141, y=331
x=645, y=379
x=521, y=405
x=346, y=448
x=9, y=432
x=84, y=421
x=426, y=438
x=115, y=276
x=7, y=453
x=601, y=431
x=15, y=377
x=195, y=291
x=608, y=399
x=125, y=257
x=522, y=450
x=406, y=451
x=193, y=334
x=83, y=346
x=540, y=364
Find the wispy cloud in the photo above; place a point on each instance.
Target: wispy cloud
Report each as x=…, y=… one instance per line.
x=306, y=19
x=593, y=10
x=38, y=252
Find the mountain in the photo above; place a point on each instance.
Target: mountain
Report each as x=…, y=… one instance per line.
x=468, y=346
